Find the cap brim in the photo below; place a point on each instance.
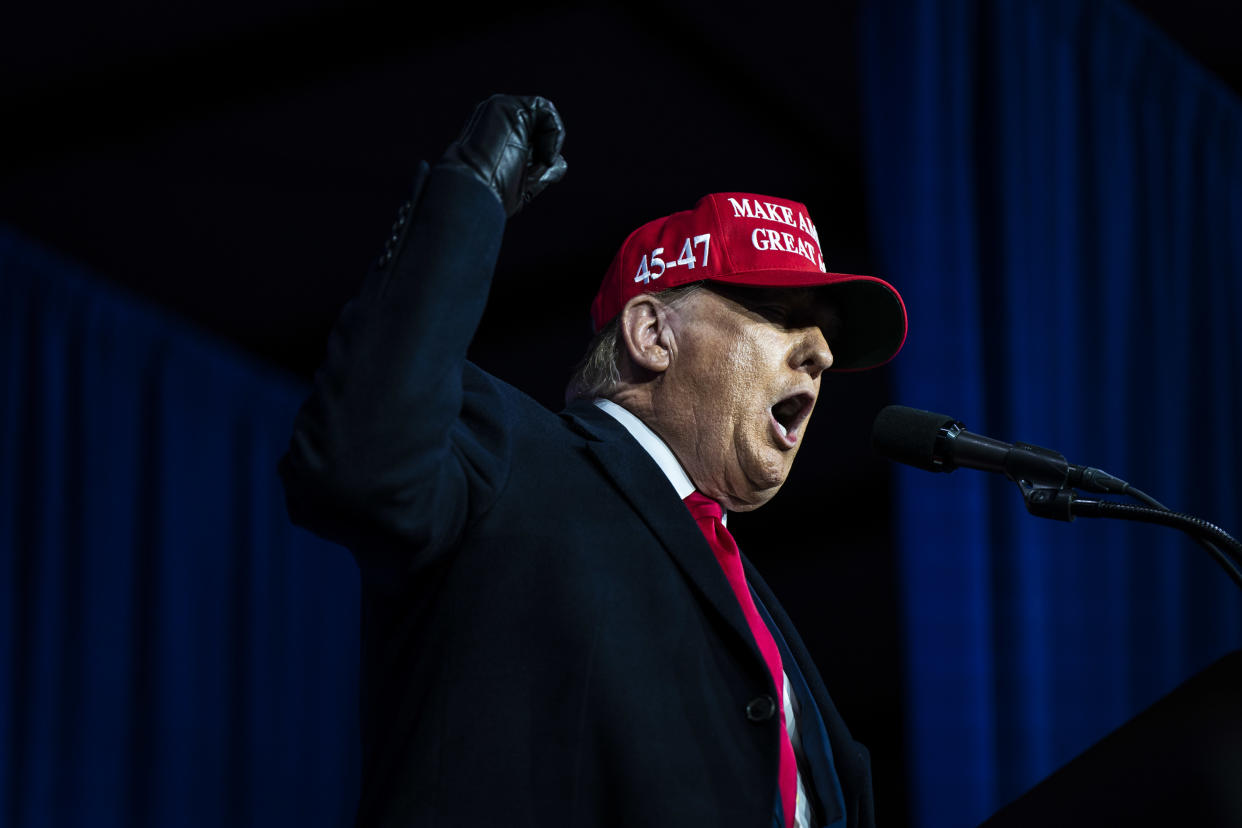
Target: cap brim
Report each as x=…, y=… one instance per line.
x=873, y=315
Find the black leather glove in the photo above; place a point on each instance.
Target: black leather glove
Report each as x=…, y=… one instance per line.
x=513, y=145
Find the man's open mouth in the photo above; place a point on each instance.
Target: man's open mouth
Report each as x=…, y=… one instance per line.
x=790, y=413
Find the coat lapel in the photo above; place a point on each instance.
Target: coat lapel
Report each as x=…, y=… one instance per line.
x=641, y=482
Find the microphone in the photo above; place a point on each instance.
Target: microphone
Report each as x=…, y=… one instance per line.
x=939, y=443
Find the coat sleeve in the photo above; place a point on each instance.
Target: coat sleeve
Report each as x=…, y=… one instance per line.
x=401, y=441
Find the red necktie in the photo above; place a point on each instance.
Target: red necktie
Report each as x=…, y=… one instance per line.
x=708, y=514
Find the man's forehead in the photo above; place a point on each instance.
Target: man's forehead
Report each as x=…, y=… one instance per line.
x=809, y=298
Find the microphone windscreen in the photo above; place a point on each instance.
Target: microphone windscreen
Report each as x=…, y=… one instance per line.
x=909, y=435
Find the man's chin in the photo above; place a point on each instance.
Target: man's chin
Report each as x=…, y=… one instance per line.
x=751, y=499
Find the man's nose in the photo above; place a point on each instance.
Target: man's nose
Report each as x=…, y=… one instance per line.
x=811, y=353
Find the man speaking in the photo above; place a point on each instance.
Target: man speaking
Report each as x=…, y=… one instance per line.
x=558, y=629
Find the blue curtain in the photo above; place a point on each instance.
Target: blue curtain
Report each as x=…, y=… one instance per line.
x=172, y=650
x=1057, y=190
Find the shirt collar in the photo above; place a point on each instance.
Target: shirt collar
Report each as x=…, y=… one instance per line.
x=657, y=448
x=651, y=442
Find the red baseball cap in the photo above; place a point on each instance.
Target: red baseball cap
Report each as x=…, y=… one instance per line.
x=748, y=239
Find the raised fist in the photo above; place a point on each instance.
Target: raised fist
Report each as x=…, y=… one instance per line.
x=513, y=145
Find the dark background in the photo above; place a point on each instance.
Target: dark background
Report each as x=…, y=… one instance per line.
x=238, y=163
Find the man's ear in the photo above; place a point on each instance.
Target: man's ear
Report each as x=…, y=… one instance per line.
x=646, y=330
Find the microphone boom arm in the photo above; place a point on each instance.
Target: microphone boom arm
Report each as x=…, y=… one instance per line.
x=1062, y=503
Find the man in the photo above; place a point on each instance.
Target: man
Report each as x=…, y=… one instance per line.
x=551, y=636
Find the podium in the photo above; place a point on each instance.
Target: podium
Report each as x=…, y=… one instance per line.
x=1179, y=762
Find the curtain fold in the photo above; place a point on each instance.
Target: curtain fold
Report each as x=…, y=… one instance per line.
x=1057, y=191
x=172, y=650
